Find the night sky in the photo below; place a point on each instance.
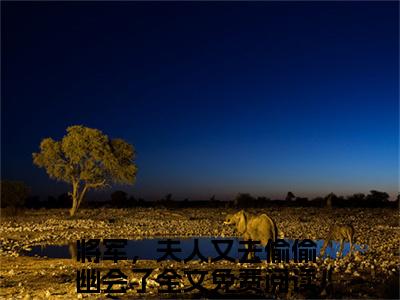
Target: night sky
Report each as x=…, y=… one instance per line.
x=217, y=98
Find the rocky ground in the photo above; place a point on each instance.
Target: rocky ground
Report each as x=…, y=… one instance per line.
x=374, y=274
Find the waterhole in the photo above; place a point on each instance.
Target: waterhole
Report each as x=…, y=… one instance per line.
x=146, y=249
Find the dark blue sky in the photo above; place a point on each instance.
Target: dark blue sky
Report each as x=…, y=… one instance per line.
x=217, y=98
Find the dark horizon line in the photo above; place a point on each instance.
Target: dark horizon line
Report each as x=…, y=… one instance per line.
x=107, y=197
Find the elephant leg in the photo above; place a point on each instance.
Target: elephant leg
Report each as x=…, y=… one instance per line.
x=247, y=237
x=351, y=245
x=323, y=249
x=341, y=247
x=250, y=255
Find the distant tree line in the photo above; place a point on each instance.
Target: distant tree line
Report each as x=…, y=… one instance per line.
x=15, y=194
x=373, y=199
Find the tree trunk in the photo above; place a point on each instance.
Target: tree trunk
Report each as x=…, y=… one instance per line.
x=77, y=198
x=75, y=202
x=82, y=194
x=74, y=208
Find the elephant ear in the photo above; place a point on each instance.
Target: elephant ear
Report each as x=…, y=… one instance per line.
x=242, y=224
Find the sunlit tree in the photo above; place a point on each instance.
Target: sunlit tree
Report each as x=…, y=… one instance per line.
x=87, y=159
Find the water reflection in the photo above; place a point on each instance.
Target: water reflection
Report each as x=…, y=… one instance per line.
x=73, y=250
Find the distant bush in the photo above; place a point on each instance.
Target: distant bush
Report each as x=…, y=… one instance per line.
x=243, y=200
x=33, y=202
x=119, y=199
x=13, y=194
